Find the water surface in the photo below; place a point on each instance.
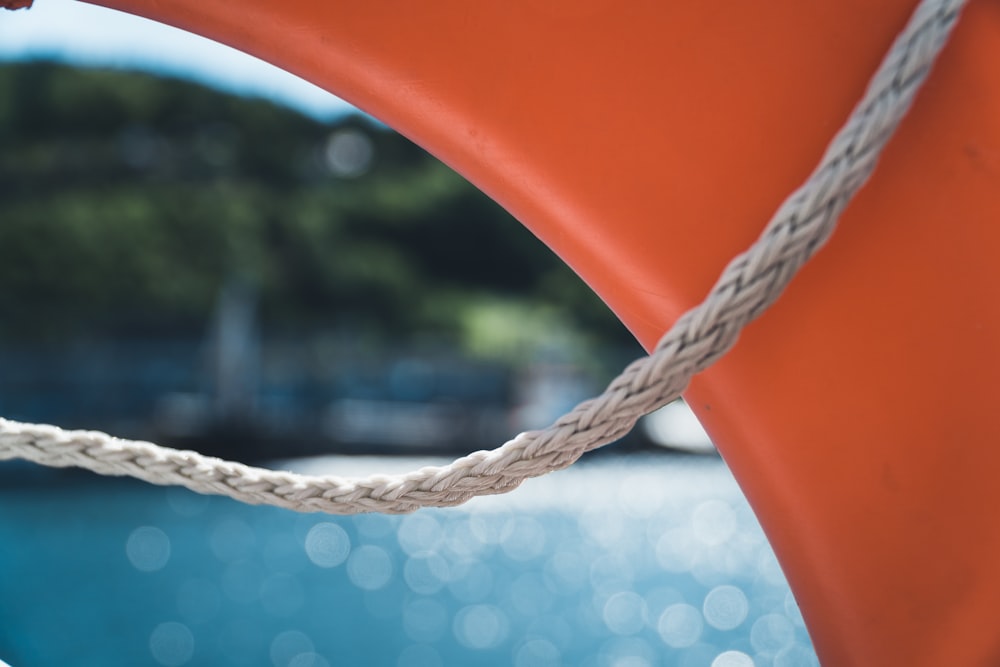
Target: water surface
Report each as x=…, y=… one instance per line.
x=616, y=562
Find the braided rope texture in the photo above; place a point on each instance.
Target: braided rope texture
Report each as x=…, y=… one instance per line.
x=750, y=283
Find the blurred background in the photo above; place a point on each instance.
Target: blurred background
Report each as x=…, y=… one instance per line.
x=214, y=255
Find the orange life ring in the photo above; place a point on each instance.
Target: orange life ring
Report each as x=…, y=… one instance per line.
x=857, y=414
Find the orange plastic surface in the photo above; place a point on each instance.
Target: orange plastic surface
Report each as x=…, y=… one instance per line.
x=649, y=141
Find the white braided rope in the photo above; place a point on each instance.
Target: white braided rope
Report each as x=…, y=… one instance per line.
x=750, y=283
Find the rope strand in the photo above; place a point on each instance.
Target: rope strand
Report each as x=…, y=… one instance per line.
x=748, y=285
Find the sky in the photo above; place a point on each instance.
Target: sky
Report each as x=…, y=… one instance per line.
x=81, y=34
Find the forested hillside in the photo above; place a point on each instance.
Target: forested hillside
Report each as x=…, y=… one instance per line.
x=127, y=201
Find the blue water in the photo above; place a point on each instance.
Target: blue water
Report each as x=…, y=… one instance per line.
x=651, y=560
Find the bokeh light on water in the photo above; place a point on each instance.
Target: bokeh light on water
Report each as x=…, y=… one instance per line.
x=171, y=644
x=148, y=548
x=619, y=562
x=327, y=544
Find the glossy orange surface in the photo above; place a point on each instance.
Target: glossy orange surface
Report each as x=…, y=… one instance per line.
x=648, y=142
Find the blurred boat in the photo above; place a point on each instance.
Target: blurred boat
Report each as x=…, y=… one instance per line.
x=675, y=427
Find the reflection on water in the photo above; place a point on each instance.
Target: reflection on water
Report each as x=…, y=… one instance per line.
x=616, y=562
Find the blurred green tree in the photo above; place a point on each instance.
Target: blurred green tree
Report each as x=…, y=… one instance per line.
x=127, y=201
